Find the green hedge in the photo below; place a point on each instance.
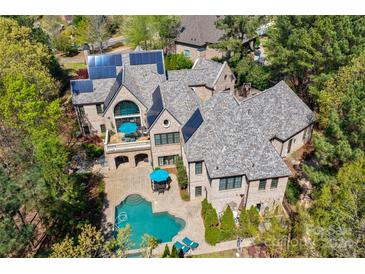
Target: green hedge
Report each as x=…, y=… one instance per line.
x=215, y=232
x=228, y=225
x=182, y=177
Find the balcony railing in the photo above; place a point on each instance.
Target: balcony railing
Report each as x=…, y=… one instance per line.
x=117, y=145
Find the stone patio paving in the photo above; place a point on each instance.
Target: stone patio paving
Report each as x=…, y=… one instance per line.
x=126, y=180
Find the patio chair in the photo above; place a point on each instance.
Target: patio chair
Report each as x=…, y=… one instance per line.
x=179, y=246
x=190, y=243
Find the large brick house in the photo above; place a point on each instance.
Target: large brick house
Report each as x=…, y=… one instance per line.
x=232, y=150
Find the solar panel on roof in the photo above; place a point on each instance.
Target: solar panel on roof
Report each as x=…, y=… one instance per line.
x=148, y=57
x=192, y=125
x=102, y=72
x=156, y=107
x=105, y=60
x=79, y=86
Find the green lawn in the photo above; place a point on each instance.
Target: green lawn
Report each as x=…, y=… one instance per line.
x=221, y=254
x=73, y=67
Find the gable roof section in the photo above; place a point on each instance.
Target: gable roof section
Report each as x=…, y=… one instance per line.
x=234, y=138
x=199, y=30
x=279, y=112
x=101, y=89
x=204, y=72
x=179, y=100
x=141, y=81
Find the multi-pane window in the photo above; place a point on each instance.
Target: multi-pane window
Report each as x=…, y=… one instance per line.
x=198, y=167
x=99, y=108
x=198, y=191
x=102, y=128
x=167, y=138
x=230, y=183
x=274, y=183
x=262, y=184
x=167, y=160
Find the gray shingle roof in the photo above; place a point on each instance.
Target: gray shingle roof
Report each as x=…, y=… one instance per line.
x=101, y=91
x=234, y=138
x=199, y=30
x=142, y=80
x=204, y=72
x=179, y=100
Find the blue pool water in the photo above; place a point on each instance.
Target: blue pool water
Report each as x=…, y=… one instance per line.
x=137, y=212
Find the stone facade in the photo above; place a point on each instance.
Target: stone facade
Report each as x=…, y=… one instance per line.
x=198, y=52
x=132, y=157
x=124, y=95
x=267, y=197
x=226, y=80
x=158, y=128
x=92, y=119
x=249, y=194
x=297, y=141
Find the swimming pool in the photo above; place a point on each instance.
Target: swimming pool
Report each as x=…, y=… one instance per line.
x=137, y=212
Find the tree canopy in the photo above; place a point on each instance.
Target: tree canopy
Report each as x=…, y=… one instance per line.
x=306, y=50
x=150, y=32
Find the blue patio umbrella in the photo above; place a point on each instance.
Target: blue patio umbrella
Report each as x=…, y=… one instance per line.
x=159, y=175
x=128, y=128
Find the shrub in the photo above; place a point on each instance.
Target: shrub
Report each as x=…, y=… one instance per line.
x=210, y=217
x=182, y=177
x=228, y=226
x=177, y=61
x=93, y=151
x=293, y=191
x=166, y=252
x=174, y=252
x=212, y=235
x=249, y=221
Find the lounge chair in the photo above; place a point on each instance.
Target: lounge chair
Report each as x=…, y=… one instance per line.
x=179, y=246
x=190, y=243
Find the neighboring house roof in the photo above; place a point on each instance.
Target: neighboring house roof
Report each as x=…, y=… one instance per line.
x=179, y=100
x=204, y=72
x=199, y=30
x=234, y=138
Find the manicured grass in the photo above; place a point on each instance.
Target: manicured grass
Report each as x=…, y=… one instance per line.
x=221, y=254
x=74, y=66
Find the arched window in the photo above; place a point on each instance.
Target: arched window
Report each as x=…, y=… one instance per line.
x=126, y=108
x=126, y=111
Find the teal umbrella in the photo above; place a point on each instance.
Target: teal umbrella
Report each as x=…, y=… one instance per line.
x=128, y=128
x=159, y=175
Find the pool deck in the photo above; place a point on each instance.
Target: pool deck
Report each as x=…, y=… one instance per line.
x=127, y=180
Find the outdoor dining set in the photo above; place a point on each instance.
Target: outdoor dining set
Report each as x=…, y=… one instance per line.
x=160, y=180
